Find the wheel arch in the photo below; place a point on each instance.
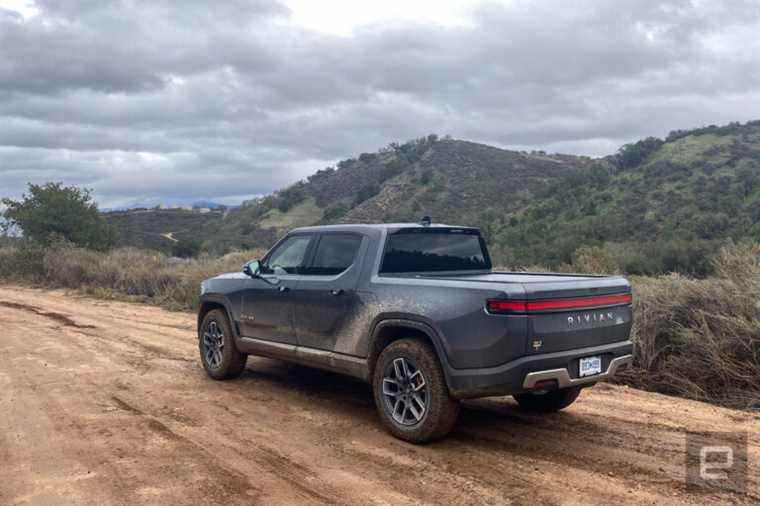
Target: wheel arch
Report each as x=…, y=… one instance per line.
x=208, y=304
x=389, y=330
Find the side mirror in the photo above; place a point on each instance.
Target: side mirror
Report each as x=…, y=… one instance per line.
x=252, y=268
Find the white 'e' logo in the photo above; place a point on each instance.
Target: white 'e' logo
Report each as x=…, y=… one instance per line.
x=715, y=470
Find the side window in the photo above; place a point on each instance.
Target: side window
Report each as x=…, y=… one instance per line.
x=335, y=253
x=289, y=256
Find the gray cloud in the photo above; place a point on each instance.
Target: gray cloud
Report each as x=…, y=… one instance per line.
x=186, y=100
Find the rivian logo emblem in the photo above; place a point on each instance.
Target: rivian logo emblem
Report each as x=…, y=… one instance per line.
x=590, y=318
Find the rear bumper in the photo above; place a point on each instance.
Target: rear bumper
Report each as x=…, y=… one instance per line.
x=522, y=374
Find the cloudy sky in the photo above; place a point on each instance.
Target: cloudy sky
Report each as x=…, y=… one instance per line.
x=162, y=101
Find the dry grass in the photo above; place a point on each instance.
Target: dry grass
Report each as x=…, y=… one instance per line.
x=700, y=338
x=696, y=338
x=136, y=274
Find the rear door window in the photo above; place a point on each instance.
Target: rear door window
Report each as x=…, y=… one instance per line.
x=335, y=253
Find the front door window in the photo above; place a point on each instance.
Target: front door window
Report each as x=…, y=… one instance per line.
x=289, y=256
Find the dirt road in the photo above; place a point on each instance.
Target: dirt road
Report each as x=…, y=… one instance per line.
x=105, y=403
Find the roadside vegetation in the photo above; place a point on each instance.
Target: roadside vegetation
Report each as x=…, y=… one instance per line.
x=123, y=273
x=700, y=338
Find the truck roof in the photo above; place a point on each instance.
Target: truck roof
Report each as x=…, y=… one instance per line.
x=359, y=227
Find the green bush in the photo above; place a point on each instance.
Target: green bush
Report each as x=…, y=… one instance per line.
x=186, y=248
x=366, y=193
x=53, y=212
x=335, y=212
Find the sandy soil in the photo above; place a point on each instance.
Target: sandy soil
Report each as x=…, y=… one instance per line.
x=105, y=403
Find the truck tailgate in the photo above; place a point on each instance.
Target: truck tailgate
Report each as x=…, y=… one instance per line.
x=591, y=317
x=569, y=312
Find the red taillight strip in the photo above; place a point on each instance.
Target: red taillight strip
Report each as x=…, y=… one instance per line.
x=527, y=306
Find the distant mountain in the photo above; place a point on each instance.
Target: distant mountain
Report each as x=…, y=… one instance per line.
x=655, y=204
x=168, y=204
x=208, y=204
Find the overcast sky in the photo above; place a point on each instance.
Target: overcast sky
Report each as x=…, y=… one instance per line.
x=177, y=101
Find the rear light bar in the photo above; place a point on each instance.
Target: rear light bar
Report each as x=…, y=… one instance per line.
x=529, y=306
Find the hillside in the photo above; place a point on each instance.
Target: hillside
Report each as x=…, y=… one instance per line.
x=665, y=206
x=656, y=205
x=453, y=181
x=162, y=228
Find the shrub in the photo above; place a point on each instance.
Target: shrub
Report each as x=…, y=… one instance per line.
x=366, y=193
x=700, y=338
x=20, y=263
x=595, y=260
x=335, y=212
x=186, y=248
x=52, y=212
x=140, y=274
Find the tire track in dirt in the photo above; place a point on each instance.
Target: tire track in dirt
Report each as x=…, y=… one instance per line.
x=267, y=457
x=228, y=483
x=58, y=317
x=233, y=479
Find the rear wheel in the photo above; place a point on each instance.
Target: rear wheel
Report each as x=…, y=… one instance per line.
x=411, y=393
x=548, y=402
x=220, y=358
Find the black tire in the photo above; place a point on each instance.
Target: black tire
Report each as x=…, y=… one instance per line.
x=228, y=363
x=440, y=411
x=548, y=402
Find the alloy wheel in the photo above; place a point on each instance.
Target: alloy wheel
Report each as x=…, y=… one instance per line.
x=213, y=345
x=405, y=391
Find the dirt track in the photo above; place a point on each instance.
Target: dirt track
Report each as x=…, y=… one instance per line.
x=106, y=403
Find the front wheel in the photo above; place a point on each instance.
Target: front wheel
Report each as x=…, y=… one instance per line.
x=411, y=393
x=548, y=402
x=220, y=358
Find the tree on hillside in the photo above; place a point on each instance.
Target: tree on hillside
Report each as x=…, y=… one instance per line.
x=52, y=211
x=631, y=155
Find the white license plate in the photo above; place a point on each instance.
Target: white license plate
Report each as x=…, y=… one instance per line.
x=590, y=366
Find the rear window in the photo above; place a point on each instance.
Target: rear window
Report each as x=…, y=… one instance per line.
x=431, y=250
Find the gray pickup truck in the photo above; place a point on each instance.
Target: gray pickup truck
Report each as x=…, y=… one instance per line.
x=417, y=311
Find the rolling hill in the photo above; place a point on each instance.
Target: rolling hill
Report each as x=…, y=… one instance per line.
x=655, y=205
x=162, y=229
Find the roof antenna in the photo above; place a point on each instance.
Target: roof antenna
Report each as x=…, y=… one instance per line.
x=426, y=221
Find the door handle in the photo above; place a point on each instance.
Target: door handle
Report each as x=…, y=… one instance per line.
x=283, y=289
x=336, y=291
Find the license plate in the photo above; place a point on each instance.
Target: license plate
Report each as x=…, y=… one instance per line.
x=590, y=366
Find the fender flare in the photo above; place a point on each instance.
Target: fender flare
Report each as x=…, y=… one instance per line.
x=405, y=321
x=225, y=303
